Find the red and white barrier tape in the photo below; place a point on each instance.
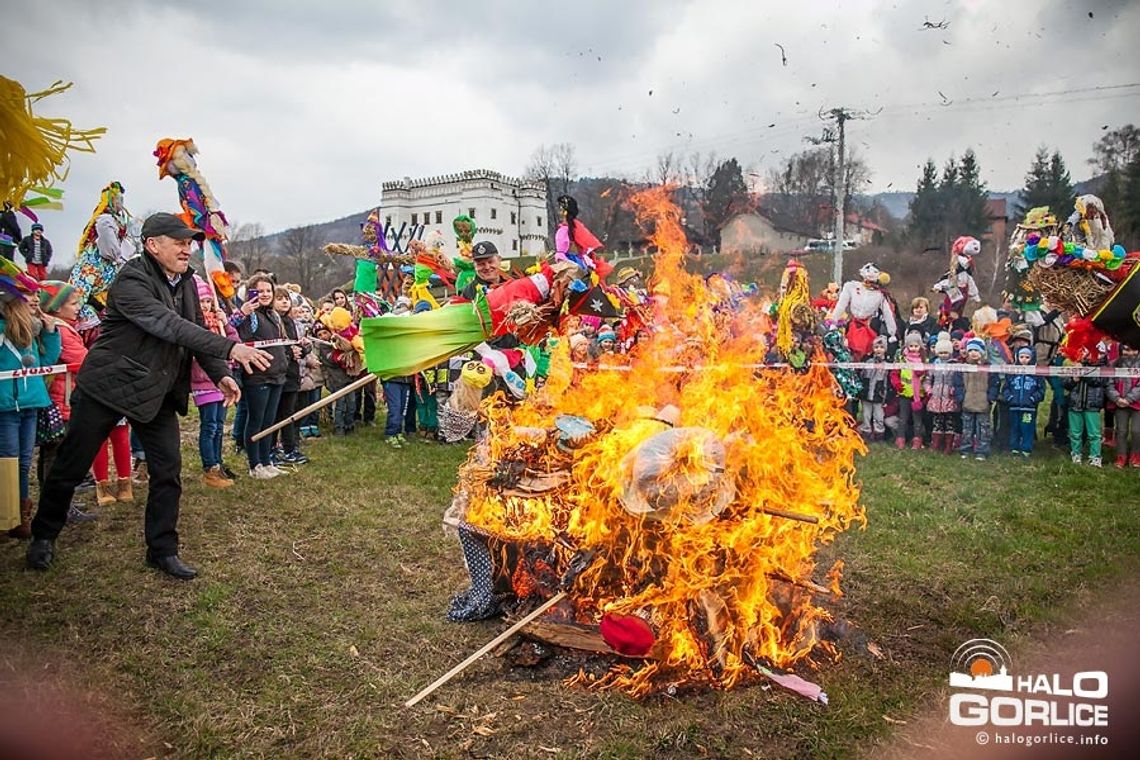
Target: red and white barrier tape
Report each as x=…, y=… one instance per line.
x=55, y=369
x=271, y=343
x=1001, y=369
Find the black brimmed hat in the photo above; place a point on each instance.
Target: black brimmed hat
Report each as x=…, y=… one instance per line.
x=170, y=225
x=484, y=250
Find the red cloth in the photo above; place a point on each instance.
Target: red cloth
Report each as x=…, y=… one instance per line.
x=39, y=271
x=501, y=298
x=627, y=634
x=860, y=336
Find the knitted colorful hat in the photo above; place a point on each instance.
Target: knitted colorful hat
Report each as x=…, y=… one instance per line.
x=976, y=344
x=606, y=333
x=54, y=294
x=204, y=290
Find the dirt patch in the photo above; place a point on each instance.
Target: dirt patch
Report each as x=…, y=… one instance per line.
x=1099, y=633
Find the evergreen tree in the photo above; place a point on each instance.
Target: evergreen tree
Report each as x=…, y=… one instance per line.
x=971, y=198
x=949, y=199
x=1048, y=184
x=925, y=208
x=726, y=196
x=1125, y=217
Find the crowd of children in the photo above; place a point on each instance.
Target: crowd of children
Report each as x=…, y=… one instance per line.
x=971, y=412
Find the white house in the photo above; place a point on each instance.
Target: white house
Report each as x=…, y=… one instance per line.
x=509, y=212
x=753, y=233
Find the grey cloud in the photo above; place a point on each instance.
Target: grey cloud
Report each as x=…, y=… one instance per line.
x=302, y=109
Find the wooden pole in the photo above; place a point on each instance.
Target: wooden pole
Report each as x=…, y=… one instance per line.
x=791, y=515
x=486, y=648
x=354, y=385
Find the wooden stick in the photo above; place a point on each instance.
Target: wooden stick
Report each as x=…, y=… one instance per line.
x=810, y=585
x=790, y=515
x=354, y=385
x=487, y=648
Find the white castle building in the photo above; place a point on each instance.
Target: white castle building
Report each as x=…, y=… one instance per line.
x=509, y=212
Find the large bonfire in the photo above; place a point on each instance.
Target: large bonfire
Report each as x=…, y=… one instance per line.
x=691, y=489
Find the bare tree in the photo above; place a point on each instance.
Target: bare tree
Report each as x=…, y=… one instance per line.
x=556, y=166
x=698, y=171
x=1116, y=149
x=667, y=169
x=798, y=189
x=801, y=192
x=300, y=252
x=249, y=247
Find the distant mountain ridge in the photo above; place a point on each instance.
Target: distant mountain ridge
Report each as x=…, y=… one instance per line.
x=897, y=203
x=346, y=229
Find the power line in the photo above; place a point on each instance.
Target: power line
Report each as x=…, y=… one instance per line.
x=743, y=139
x=1019, y=96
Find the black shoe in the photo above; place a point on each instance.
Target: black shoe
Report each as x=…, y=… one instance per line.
x=295, y=457
x=172, y=566
x=41, y=552
x=75, y=515
x=87, y=484
x=229, y=473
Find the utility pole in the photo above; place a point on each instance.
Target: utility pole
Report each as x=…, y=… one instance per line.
x=841, y=116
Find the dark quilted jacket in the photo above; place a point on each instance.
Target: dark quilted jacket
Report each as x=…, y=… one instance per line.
x=150, y=332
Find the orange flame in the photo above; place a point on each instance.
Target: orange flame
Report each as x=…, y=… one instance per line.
x=718, y=584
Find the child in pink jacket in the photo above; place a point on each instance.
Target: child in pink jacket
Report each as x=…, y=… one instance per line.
x=208, y=399
x=1124, y=392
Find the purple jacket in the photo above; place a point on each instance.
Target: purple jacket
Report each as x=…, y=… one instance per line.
x=202, y=388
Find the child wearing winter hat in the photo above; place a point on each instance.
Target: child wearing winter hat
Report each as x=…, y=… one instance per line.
x=980, y=390
x=1021, y=394
x=1086, y=397
x=957, y=338
x=873, y=394
x=607, y=339
x=1124, y=392
x=908, y=384
x=208, y=399
x=944, y=391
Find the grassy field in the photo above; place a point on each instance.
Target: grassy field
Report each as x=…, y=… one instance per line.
x=320, y=610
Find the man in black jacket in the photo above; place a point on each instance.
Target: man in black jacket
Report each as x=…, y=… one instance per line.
x=139, y=368
x=36, y=250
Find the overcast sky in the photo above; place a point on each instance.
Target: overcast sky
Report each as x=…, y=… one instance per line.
x=302, y=109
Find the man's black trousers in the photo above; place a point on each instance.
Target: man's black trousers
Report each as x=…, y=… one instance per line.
x=91, y=422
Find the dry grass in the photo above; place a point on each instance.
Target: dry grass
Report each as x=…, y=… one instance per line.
x=320, y=610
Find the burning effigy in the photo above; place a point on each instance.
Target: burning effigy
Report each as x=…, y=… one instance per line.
x=676, y=503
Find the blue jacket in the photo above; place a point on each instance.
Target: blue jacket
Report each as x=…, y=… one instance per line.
x=21, y=393
x=1023, y=391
